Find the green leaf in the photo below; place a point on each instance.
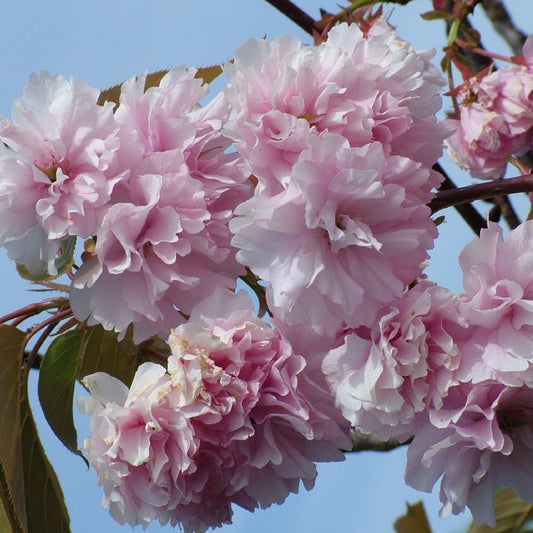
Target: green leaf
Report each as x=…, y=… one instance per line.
x=63, y=263
x=75, y=354
x=45, y=503
x=4, y=520
x=439, y=220
x=437, y=15
x=511, y=514
x=57, y=378
x=414, y=520
x=31, y=496
x=11, y=468
x=101, y=351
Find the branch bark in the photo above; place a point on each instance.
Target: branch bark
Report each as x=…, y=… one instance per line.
x=467, y=211
x=481, y=191
x=297, y=15
x=503, y=24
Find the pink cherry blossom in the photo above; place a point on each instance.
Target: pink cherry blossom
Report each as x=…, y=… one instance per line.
x=166, y=229
x=140, y=443
x=346, y=236
x=59, y=171
x=227, y=424
x=148, y=245
x=479, y=441
x=385, y=378
x=498, y=301
x=366, y=88
x=495, y=120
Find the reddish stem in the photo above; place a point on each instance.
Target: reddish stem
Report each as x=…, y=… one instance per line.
x=28, y=311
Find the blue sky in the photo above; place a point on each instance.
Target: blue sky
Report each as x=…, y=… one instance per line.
x=106, y=42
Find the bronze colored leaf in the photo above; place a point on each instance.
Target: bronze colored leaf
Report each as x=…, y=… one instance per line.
x=414, y=520
x=207, y=74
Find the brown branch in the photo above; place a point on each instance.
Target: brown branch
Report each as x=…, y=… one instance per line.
x=481, y=191
x=297, y=15
x=362, y=442
x=508, y=212
x=501, y=21
x=467, y=211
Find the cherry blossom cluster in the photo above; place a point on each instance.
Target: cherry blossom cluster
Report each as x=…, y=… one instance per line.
x=309, y=177
x=495, y=118
x=150, y=187
x=455, y=372
x=235, y=417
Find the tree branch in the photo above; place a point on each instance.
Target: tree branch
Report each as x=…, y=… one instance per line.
x=467, y=211
x=481, y=191
x=507, y=211
x=503, y=24
x=297, y=15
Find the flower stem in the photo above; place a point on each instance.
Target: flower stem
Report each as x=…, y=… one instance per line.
x=29, y=310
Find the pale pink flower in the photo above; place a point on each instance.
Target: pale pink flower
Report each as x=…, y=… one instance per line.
x=141, y=442
x=62, y=160
x=495, y=120
x=386, y=377
x=366, y=88
x=498, y=301
x=166, y=231
x=228, y=424
x=273, y=431
x=21, y=233
x=144, y=269
x=479, y=441
x=346, y=236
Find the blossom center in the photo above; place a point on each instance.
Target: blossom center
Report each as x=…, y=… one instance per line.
x=50, y=172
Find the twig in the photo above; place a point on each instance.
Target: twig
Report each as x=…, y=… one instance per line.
x=508, y=212
x=29, y=310
x=503, y=24
x=467, y=211
x=297, y=15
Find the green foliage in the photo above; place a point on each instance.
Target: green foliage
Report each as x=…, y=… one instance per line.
x=31, y=497
x=101, y=351
x=436, y=15
x=414, y=520
x=45, y=503
x=512, y=514
x=57, y=378
x=63, y=263
x=80, y=352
